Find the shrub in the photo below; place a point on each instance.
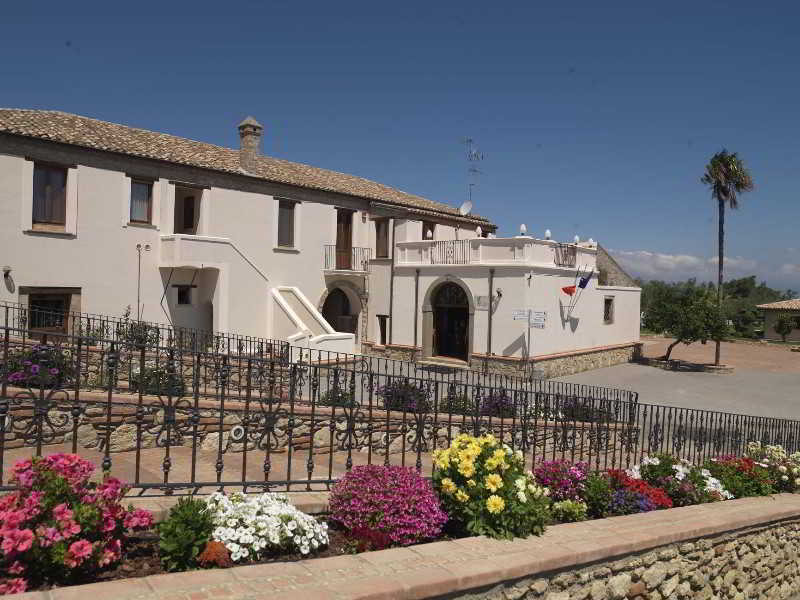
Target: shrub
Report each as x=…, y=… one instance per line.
x=158, y=381
x=59, y=528
x=404, y=395
x=183, y=535
x=597, y=495
x=266, y=524
x=586, y=410
x=683, y=482
x=784, y=470
x=485, y=490
x=569, y=511
x=564, y=480
x=337, y=397
x=386, y=505
x=625, y=501
x=497, y=404
x=42, y=366
x=741, y=476
x=655, y=495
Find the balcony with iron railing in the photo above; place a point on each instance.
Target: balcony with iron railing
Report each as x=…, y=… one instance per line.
x=355, y=260
x=519, y=250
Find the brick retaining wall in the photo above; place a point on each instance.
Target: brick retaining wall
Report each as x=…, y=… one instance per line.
x=740, y=549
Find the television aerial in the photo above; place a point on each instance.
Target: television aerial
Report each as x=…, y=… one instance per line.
x=465, y=208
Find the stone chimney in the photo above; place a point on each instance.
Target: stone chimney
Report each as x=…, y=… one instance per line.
x=249, y=142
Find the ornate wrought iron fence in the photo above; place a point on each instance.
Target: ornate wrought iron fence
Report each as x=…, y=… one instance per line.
x=168, y=419
x=101, y=329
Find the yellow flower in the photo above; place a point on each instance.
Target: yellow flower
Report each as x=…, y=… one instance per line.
x=441, y=458
x=494, y=482
x=467, y=469
x=462, y=496
x=448, y=487
x=499, y=454
x=495, y=504
x=471, y=482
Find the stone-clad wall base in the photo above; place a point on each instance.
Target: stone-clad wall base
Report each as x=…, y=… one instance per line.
x=737, y=550
x=561, y=365
x=557, y=365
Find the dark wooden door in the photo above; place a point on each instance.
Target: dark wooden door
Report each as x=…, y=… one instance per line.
x=344, y=239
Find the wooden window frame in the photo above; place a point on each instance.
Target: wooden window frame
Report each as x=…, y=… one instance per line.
x=149, y=184
x=383, y=329
x=55, y=226
x=293, y=233
x=382, y=222
x=608, y=315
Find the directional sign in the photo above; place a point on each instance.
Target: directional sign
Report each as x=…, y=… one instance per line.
x=520, y=315
x=538, y=317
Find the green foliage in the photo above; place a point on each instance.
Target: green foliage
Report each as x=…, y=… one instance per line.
x=184, y=534
x=597, y=495
x=727, y=177
x=688, y=314
x=784, y=325
x=742, y=477
x=337, y=397
x=569, y=511
x=158, y=381
x=740, y=297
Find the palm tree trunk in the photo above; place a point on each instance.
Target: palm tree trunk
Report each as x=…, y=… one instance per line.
x=720, y=262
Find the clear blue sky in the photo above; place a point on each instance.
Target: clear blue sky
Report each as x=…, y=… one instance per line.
x=595, y=118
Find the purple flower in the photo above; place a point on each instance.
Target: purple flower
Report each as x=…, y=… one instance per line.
x=53, y=371
x=35, y=369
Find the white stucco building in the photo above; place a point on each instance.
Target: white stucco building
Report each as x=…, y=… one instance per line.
x=231, y=240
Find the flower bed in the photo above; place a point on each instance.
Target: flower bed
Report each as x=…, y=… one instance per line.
x=58, y=529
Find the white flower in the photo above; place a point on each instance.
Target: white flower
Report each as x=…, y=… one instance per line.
x=784, y=478
x=522, y=497
x=651, y=460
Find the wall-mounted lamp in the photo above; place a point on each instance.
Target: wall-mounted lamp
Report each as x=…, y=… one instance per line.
x=547, y=234
x=6, y=272
x=499, y=293
x=479, y=231
x=523, y=229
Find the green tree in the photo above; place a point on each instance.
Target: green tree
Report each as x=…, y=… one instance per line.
x=727, y=177
x=687, y=313
x=784, y=325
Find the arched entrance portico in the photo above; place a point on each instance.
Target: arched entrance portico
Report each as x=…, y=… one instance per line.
x=447, y=321
x=341, y=305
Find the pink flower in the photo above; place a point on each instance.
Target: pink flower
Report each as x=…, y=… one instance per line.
x=48, y=536
x=109, y=524
x=69, y=528
x=13, y=586
x=111, y=553
x=16, y=540
x=13, y=519
x=16, y=568
x=77, y=553
x=138, y=519
x=62, y=513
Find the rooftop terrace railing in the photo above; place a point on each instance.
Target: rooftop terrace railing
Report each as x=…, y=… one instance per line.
x=171, y=420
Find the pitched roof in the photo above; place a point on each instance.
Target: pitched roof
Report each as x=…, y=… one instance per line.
x=782, y=305
x=72, y=129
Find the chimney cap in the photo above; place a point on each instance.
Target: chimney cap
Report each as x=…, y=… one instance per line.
x=250, y=122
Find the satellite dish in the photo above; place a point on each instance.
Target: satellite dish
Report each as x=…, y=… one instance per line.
x=465, y=208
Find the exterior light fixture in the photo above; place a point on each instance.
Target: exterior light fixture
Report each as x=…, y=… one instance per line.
x=577, y=239
x=547, y=234
x=523, y=229
x=6, y=272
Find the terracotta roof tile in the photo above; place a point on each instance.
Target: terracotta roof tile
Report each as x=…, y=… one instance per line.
x=782, y=305
x=90, y=133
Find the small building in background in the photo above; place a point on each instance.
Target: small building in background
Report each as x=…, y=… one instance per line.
x=773, y=310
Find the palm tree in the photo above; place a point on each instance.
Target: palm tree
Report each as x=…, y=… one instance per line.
x=727, y=177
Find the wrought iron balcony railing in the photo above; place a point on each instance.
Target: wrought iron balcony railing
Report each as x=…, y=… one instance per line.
x=347, y=259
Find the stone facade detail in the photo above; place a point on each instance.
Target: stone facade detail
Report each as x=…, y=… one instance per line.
x=755, y=563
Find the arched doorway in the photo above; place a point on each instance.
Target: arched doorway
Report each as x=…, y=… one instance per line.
x=450, y=321
x=337, y=312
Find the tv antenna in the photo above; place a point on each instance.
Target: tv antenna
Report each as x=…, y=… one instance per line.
x=474, y=156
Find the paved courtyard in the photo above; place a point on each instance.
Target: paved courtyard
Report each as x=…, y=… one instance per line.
x=765, y=381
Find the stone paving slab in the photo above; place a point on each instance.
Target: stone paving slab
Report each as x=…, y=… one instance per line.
x=438, y=568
